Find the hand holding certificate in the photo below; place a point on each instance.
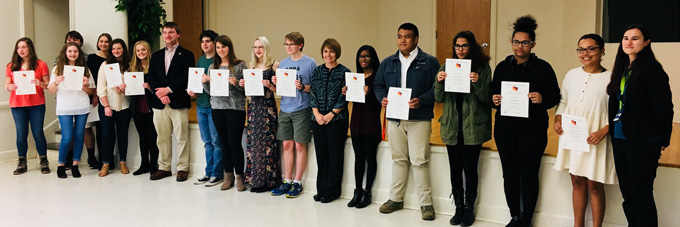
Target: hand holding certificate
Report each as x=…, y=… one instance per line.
x=457, y=75
x=575, y=133
x=219, y=82
x=194, y=84
x=73, y=78
x=397, y=103
x=253, y=82
x=355, y=83
x=134, y=82
x=515, y=101
x=24, y=82
x=113, y=77
x=285, y=82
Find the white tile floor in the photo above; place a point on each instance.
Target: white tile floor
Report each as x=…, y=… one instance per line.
x=34, y=199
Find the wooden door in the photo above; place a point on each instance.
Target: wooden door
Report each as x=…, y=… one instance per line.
x=188, y=14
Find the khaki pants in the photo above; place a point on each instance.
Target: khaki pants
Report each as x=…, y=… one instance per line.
x=410, y=145
x=170, y=121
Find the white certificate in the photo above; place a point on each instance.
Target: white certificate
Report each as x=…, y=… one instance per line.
x=285, y=82
x=195, y=76
x=397, y=103
x=219, y=82
x=22, y=79
x=355, y=83
x=113, y=77
x=515, y=99
x=575, y=136
x=457, y=75
x=253, y=82
x=73, y=78
x=134, y=83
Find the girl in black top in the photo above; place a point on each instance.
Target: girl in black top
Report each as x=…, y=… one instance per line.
x=94, y=61
x=640, y=122
x=522, y=141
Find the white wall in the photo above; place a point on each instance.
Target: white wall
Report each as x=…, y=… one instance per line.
x=94, y=17
x=12, y=28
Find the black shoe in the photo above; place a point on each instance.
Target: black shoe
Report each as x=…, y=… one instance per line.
x=514, y=222
x=317, y=198
x=260, y=189
x=457, y=218
x=355, y=200
x=93, y=163
x=328, y=199
x=44, y=165
x=22, y=166
x=61, y=171
x=142, y=170
x=153, y=167
x=365, y=199
x=469, y=209
x=75, y=172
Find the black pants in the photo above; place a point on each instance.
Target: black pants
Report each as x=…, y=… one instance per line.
x=521, y=154
x=464, y=159
x=229, y=125
x=636, y=164
x=115, y=126
x=147, y=138
x=365, y=154
x=329, y=143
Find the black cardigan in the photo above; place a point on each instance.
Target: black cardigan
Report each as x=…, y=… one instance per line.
x=648, y=111
x=542, y=79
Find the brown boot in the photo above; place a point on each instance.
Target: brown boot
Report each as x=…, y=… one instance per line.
x=240, y=186
x=228, y=181
x=21, y=166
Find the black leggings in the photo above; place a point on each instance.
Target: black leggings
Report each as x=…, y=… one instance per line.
x=521, y=154
x=464, y=159
x=329, y=143
x=229, y=125
x=147, y=137
x=365, y=153
x=114, y=127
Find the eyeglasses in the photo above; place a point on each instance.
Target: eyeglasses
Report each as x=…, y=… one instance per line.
x=461, y=47
x=290, y=44
x=524, y=43
x=260, y=47
x=587, y=49
x=365, y=57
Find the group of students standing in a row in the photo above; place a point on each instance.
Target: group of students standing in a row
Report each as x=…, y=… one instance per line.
x=624, y=144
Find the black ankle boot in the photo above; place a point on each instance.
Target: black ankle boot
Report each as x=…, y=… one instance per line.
x=366, y=199
x=44, y=165
x=457, y=218
x=142, y=169
x=75, y=172
x=355, y=199
x=469, y=209
x=514, y=222
x=22, y=166
x=61, y=171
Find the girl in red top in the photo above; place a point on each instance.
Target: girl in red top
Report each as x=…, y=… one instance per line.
x=28, y=108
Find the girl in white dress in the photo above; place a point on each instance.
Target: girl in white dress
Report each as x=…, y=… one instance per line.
x=584, y=94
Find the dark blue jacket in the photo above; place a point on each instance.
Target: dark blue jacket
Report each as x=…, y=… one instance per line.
x=421, y=75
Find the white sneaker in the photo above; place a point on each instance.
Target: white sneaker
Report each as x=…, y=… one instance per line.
x=213, y=181
x=201, y=180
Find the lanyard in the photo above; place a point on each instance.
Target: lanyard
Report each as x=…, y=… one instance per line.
x=623, y=86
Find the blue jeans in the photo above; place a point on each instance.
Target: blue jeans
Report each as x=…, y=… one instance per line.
x=72, y=129
x=35, y=115
x=213, y=153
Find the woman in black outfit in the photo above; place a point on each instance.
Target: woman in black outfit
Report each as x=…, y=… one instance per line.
x=365, y=129
x=142, y=114
x=94, y=61
x=522, y=141
x=640, y=122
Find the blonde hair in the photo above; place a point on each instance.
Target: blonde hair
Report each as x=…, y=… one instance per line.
x=267, y=59
x=136, y=63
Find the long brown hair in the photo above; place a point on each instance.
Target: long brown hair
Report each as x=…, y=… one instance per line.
x=17, y=61
x=231, y=56
x=110, y=59
x=63, y=60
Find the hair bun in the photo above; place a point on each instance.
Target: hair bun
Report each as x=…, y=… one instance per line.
x=525, y=23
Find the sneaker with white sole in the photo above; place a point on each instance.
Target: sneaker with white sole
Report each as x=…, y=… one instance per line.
x=213, y=181
x=202, y=180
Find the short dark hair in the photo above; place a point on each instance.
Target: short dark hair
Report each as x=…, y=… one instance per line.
x=410, y=27
x=172, y=25
x=208, y=33
x=332, y=44
x=297, y=38
x=74, y=35
x=598, y=39
x=526, y=24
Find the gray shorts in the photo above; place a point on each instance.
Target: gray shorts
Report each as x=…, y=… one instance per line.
x=295, y=126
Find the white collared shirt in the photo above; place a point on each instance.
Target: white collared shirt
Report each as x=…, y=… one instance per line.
x=405, y=63
x=169, y=54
